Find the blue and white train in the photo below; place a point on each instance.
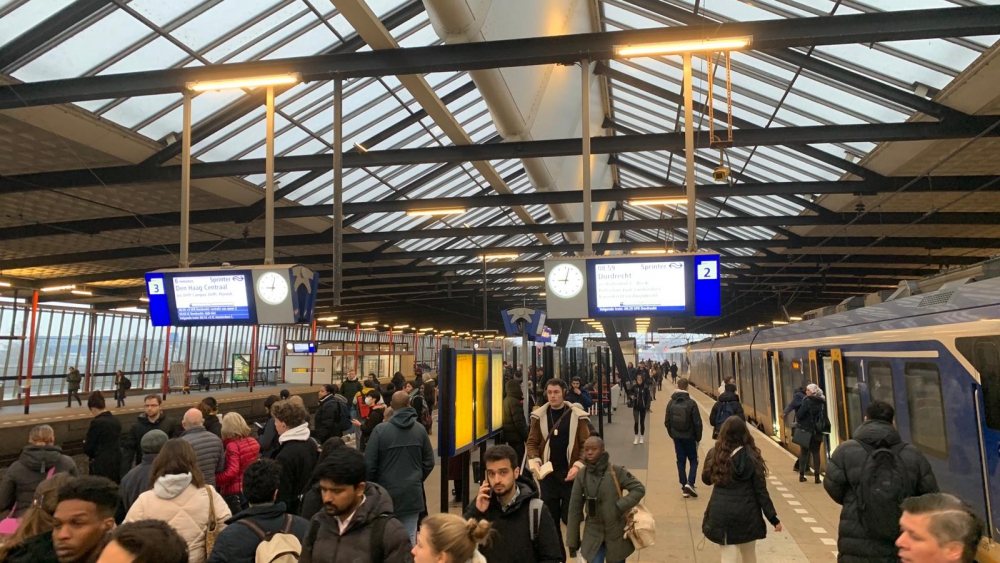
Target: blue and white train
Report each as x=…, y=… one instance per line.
x=934, y=356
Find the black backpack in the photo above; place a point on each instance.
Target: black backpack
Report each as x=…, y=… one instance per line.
x=822, y=421
x=726, y=410
x=343, y=415
x=883, y=487
x=680, y=419
x=126, y=383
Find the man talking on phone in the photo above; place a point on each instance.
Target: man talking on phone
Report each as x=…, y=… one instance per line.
x=512, y=507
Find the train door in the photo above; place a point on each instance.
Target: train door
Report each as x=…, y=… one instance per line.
x=826, y=369
x=772, y=367
x=984, y=355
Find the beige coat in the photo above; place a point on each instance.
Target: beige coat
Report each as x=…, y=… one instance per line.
x=185, y=507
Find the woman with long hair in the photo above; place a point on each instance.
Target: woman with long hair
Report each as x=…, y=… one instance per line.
x=103, y=444
x=452, y=536
x=241, y=451
x=37, y=520
x=639, y=398
x=736, y=470
x=179, y=496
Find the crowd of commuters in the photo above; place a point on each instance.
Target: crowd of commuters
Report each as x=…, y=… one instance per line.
x=210, y=488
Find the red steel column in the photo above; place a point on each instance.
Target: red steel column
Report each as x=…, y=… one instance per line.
x=357, y=345
x=90, y=351
x=32, y=340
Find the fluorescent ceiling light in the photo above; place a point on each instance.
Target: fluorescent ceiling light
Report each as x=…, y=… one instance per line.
x=659, y=201
x=442, y=211
x=680, y=47
x=361, y=148
x=326, y=319
x=501, y=256
x=59, y=288
x=795, y=318
x=81, y=292
x=249, y=82
x=400, y=327
x=369, y=323
x=144, y=299
x=779, y=322
x=642, y=318
x=526, y=279
x=650, y=251
x=542, y=294
x=429, y=329
x=129, y=310
x=4, y=284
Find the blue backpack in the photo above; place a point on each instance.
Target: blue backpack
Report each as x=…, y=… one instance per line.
x=345, y=414
x=726, y=410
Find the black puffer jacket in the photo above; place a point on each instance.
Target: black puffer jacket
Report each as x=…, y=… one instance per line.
x=515, y=427
x=327, y=420
x=813, y=408
x=325, y=544
x=24, y=475
x=843, y=476
x=640, y=396
x=733, y=514
x=513, y=525
x=731, y=401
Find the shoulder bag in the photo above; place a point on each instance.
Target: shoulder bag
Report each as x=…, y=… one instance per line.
x=212, y=531
x=640, y=527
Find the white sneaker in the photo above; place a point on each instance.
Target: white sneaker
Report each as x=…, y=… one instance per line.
x=641, y=440
x=636, y=441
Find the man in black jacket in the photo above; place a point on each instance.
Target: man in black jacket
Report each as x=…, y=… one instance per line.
x=327, y=422
x=506, y=502
x=844, y=474
x=244, y=531
x=683, y=422
x=153, y=419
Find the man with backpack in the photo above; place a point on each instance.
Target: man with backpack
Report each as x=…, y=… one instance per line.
x=263, y=533
x=419, y=404
x=683, y=422
x=512, y=506
x=728, y=405
x=870, y=476
x=333, y=417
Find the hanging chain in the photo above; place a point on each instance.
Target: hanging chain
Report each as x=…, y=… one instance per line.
x=711, y=112
x=729, y=92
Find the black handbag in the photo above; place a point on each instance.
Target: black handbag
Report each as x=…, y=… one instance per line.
x=801, y=437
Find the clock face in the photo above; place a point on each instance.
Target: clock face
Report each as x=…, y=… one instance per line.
x=565, y=280
x=272, y=288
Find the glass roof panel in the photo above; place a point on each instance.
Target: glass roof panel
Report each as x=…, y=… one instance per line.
x=26, y=16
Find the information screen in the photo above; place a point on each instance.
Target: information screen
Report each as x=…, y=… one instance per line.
x=212, y=297
x=639, y=287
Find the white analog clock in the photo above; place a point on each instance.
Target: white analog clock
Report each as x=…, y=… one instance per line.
x=565, y=280
x=272, y=288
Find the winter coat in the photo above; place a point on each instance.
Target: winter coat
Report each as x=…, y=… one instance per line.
x=812, y=408
x=177, y=502
x=240, y=453
x=325, y=544
x=73, y=380
x=375, y=417
x=36, y=549
x=607, y=526
x=729, y=396
x=582, y=398
x=515, y=427
x=297, y=455
x=733, y=514
x=210, y=451
x=327, y=419
x=132, y=440
x=539, y=430
x=513, y=525
x=24, y=475
x=213, y=425
x=350, y=388
x=399, y=457
x=797, y=398
x=640, y=396
x=682, y=400
x=134, y=483
x=104, y=446
x=238, y=543
x=268, y=439
x=844, y=475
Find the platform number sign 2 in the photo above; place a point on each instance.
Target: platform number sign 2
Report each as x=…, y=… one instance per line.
x=708, y=270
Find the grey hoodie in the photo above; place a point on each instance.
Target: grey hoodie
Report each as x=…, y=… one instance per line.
x=399, y=457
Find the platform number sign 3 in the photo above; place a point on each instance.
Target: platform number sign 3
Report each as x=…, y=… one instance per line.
x=156, y=286
x=708, y=270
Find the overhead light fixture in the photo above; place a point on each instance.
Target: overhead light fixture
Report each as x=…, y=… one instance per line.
x=4, y=284
x=650, y=251
x=642, y=318
x=249, y=82
x=500, y=256
x=361, y=148
x=526, y=279
x=369, y=323
x=59, y=288
x=144, y=299
x=795, y=318
x=587, y=320
x=428, y=329
x=81, y=292
x=129, y=310
x=441, y=211
x=681, y=47
x=326, y=319
x=400, y=327
x=542, y=294
x=447, y=332
x=779, y=322
x=350, y=322
x=658, y=201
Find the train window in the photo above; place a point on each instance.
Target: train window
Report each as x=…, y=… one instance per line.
x=791, y=378
x=983, y=352
x=923, y=396
x=852, y=380
x=880, y=382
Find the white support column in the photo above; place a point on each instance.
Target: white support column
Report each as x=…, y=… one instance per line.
x=269, y=181
x=692, y=231
x=338, y=189
x=588, y=228
x=185, y=260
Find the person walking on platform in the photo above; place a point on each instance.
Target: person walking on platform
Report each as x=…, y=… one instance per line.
x=515, y=427
x=39, y=460
x=869, y=519
x=639, y=399
x=673, y=373
x=576, y=394
x=73, y=379
x=939, y=528
x=153, y=419
x=728, y=405
x=604, y=531
x=510, y=503
x=122, y=385
x=208, y=447
x=103, y=444
x=683, y=422
x=736, y=470
x=555, y=448
x=813, y=422
x=729, y=380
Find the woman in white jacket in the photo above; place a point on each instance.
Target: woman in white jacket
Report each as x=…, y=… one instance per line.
x=178, y=496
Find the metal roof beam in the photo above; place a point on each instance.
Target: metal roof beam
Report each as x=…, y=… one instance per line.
x=564, y=49
x=51, y=27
